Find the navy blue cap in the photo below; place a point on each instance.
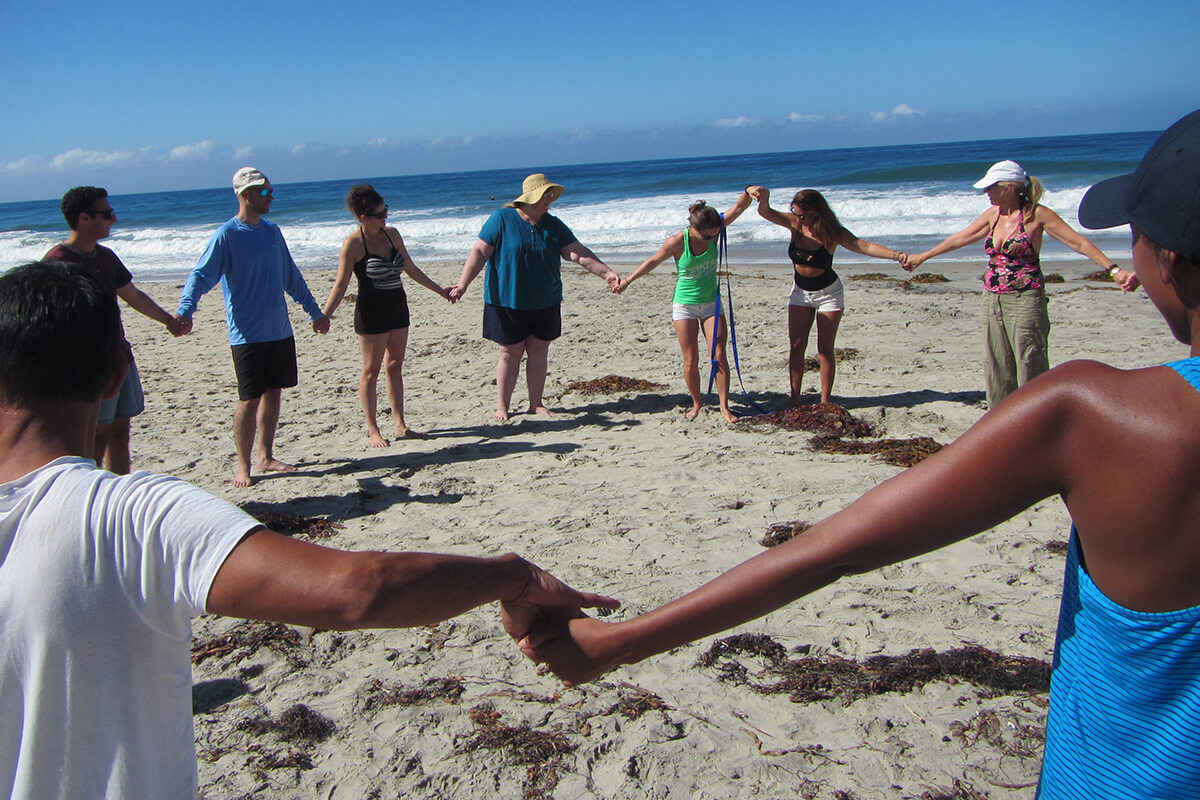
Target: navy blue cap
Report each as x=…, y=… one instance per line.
x=1161, y=198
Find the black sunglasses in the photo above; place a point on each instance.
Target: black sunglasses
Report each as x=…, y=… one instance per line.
x=381, y=215
x=107, y=213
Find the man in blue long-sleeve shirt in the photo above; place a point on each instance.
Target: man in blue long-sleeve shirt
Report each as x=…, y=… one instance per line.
x=249, y=258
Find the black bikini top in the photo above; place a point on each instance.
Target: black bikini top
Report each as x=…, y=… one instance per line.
x=819, y=258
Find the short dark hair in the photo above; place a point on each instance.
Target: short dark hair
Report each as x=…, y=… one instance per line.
x=363, y=199
x=60, y=335
x=80, y=200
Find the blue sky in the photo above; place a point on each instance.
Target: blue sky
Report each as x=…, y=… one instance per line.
x=140, y=96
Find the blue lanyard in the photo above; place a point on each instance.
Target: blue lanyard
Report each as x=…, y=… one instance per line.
x=723, y=260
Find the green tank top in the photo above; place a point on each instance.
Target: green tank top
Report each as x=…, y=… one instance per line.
x=697, y=281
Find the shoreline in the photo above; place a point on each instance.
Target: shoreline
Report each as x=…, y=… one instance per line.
x=619, y=494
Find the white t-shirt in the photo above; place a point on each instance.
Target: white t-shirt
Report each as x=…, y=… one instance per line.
x=100, y=576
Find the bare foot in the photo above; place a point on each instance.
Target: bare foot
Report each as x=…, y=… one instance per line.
x=375, y=439
x=545, y=412
x=501, y=414
x=409, y=433
x=730, y=417
x=240, y=479
x=692, y=413
x=275, y=465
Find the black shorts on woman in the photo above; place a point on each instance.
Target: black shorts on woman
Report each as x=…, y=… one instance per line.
x=506, y=326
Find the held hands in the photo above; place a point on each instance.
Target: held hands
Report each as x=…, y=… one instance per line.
x=546, y=602
x=321, y=324
x=1128, y=281
x=614, y=282
x=759, y=193
x=622, y=285
x=179, y=326
x=577, y=650
x=455, y=293
x=911, y=262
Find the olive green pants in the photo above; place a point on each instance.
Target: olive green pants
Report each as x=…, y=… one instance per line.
x=1016, y=340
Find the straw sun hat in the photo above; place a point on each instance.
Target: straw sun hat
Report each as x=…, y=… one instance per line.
x=533, y=187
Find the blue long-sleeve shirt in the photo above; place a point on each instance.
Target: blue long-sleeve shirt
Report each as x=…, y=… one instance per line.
x=255, y=269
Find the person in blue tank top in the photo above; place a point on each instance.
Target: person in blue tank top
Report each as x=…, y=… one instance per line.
x=1122, y=449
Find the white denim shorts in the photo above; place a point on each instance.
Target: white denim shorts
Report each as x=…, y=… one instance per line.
x=698, y=311
x=831, y=298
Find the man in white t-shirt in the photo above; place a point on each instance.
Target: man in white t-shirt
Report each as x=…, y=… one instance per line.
x=100, y=574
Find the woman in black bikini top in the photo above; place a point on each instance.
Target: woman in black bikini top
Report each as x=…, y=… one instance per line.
x=818, y=295
x=381, y=309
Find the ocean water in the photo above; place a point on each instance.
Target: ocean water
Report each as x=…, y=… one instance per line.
x=906, y=197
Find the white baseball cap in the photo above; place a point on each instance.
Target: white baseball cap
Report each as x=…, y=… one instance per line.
x=246, y=177
x=1002, y=171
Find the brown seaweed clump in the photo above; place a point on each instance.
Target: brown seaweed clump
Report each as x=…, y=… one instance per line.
x=297, y=724
x=830, y=677
x=1054, y=277
x=872, y=276
x=840, y=354
x=245, y=639
x=380, y=695
x=290, y=524
x=898, y=452
x=1100, y=275
x=928, y=277
x=780, y=532
x=1010, y=738
x=612, y=384
x=820, y=418
x=540, y=751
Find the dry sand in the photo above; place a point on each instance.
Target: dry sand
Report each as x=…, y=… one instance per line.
x=619, y=494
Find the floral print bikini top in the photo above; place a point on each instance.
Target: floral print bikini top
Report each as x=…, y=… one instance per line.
x=1014, y=265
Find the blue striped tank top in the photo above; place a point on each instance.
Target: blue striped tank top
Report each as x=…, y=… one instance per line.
x=1125, y=693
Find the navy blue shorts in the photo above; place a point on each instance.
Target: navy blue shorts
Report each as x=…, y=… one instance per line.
x=512, y=326
x=261, y=366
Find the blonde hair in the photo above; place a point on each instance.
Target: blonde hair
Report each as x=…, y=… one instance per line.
x=1030, y=193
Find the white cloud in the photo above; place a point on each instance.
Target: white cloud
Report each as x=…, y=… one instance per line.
x=78, y=157
x=905, y=110
x=733, y=122
x=796, y=116
x=376, y=142
x=243, y=152
x=188, y=151
x=21, y=164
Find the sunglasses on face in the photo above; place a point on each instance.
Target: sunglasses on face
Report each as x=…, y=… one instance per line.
x=381, y=215
x=107, y=213
x=266, y=192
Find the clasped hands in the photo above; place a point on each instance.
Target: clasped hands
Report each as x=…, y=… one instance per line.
x=548, y=625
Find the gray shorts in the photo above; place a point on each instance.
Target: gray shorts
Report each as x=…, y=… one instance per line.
x=129, y=402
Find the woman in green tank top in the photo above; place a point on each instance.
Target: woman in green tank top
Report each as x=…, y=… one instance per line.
x=695, y=254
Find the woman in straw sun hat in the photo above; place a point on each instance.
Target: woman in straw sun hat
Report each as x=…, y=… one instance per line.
x=522, y=246
x=1016, y=322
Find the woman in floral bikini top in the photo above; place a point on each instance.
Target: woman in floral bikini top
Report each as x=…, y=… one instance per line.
x=1013, y=266
x=1017, y=325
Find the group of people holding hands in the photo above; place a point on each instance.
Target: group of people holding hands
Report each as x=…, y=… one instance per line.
x=521, y=247
x=520, y=250
x=101, y=573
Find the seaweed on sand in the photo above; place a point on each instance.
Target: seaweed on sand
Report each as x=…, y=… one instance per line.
x=820, y=418
x=780, y=532
x=829, y=677
x=612, y=384
x=539, y=751
x=298, y=723
x=840, y=354
x=291, y=524
x=244, y=640
x=379, y=695
x=898, y=452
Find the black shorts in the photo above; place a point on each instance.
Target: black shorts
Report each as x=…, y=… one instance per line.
x=261, y=366
x=512, y=326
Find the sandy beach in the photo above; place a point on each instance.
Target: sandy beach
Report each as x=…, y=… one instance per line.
x=620, y=494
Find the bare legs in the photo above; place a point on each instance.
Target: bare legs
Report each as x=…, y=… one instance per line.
x=536, y=352
x=686, y=331
x=258, y=417
x=374, y=348
x=111, y=449
x=800, y=322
